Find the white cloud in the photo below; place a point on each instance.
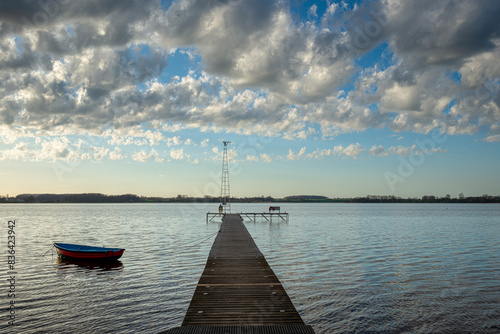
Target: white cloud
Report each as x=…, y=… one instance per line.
x=116, y=154
x=264, y=157
x=140, y=137
x=292, y=156
x=50, y=149
x=264, y=72
x=19, y=152
x=100, y=153
x=252, y=157
x=10, y=135
x=173, y=141
x=353, y=150
x=204, y=142
x=56, y=149
x=313, y=11
x=393, y=150
x=494, y=138
x=402, y=150
x=177, y=154
x=401, y=98
x=142, y=156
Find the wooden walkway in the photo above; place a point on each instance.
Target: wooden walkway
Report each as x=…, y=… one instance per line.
x=239, y=289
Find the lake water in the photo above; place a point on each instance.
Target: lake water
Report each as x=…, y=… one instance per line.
x=386, y=268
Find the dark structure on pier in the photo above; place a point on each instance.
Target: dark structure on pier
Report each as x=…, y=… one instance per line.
x=238, y=291
x=254, y=216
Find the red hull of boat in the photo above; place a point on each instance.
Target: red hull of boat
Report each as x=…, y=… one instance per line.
x=109, y=255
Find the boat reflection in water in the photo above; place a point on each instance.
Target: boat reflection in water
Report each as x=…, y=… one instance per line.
x=84, y=278
x=62, y=264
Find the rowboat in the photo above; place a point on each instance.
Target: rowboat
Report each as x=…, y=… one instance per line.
x=87, y=253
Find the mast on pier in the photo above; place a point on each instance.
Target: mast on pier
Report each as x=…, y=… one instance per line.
x=225, y=206
x=224, y=186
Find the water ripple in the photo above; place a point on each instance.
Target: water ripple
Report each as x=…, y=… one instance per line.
x=347, y=268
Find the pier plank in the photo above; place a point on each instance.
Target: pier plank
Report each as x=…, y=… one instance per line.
x=239, y=289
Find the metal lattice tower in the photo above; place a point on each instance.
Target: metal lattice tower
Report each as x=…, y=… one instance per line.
x=224, y=187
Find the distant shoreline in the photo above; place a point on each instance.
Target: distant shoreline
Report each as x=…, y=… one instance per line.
x=130, y=198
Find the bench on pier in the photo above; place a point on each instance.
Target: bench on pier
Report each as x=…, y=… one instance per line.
x=274, y=208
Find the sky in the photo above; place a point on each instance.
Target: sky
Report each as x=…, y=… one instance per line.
x=332, y=98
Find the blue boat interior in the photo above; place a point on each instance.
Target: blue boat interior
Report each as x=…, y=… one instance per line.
x=83, y=248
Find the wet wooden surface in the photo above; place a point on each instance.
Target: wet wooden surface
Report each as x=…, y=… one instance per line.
x=238, y=287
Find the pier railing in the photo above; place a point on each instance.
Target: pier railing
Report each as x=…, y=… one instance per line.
x=253, y=216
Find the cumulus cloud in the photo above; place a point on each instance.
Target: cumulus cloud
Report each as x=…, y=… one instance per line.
x=393, y=150
x=351, y=151
x=177, y=154
x=443, y=32
x=292, y=156
x=94, y=22
x=116, y=154
x=59, y=148
x=265, y=157
x=378, y=150
x=18, y=152
x=138, y=136
x=251, y=157
x=490, y=139
x=262, y=157
x=99, y=67
x=142, y=156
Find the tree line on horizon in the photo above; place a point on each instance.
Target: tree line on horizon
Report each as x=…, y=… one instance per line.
x=131, y=198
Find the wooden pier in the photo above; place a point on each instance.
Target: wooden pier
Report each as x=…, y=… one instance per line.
x=254, y=216
x=265, y=216
x=238, y=291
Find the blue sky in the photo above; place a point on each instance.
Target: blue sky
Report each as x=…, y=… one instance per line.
x=334, y=98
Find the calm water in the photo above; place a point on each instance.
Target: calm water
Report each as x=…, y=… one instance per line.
x=347, y=267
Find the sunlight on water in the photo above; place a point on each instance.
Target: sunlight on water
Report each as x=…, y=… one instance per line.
x=347, y=267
